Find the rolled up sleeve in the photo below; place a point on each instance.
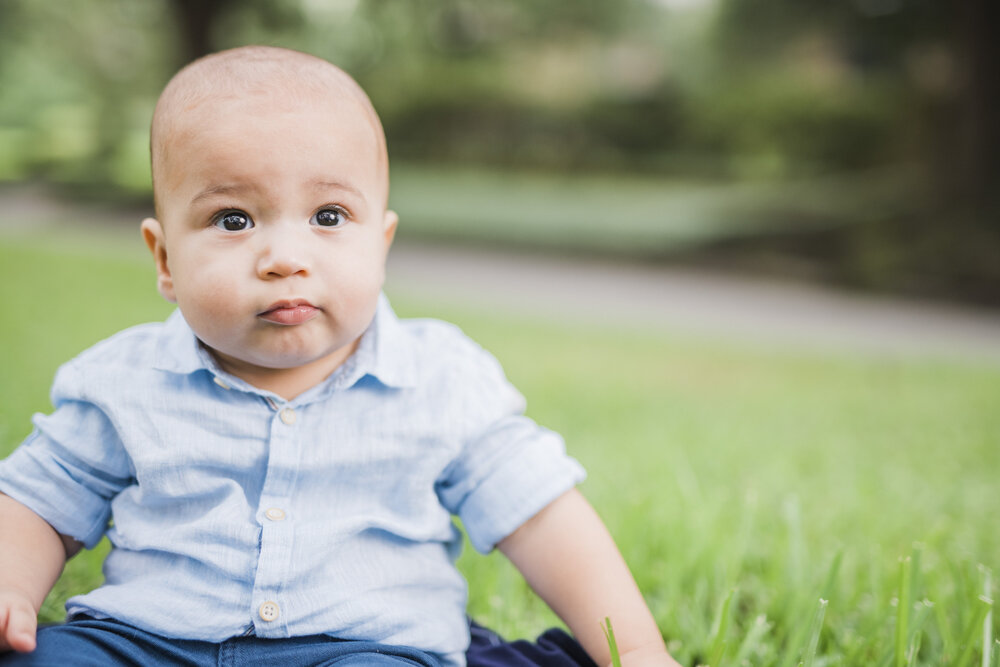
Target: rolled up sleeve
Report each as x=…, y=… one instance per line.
x=510, y=470
x=70, y=467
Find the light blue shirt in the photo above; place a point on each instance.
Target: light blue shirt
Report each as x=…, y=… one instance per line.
x=231, y=510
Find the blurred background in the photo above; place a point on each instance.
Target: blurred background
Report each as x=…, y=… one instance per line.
x=582, y=185
x=852, y=142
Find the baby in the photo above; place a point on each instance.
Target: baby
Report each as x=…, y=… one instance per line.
x=277, y=465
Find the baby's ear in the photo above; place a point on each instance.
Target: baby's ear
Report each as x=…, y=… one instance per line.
x=152, y=234
x=389, y=224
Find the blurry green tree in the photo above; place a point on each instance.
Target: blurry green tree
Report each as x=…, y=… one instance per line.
x=720, y=89
x=906, y=80
x=940, y=58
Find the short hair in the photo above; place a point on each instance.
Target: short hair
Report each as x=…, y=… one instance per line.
x=248, y=71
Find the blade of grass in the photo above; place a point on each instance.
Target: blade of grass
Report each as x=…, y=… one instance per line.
x=792, y=511
x=797, y=642
x=826, y=592
x=988, y=621
x=944, y=626
x=981, y=609
x=903, y=611
x=923, y=610
x=817, y=626
x=916, y=589
x=913, y=651
x=738, y=553
x=752, y=641
x=798, y=638
x=609, y=634
x=721, y=627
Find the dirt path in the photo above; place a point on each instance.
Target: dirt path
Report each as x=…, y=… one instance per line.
x=687, y=301
x=695, y=302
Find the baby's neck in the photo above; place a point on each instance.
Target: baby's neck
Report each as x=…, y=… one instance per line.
x=286, y=382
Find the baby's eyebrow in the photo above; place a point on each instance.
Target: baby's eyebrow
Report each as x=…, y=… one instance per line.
x=241, y=188
x=338, y=185
x=224, y=189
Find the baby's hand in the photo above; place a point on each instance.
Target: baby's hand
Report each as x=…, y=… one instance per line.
x=18, y=622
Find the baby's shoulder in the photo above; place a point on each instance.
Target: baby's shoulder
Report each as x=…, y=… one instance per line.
x=462, y=377
x=129, y=351
x=444, y=353
x=442, y=343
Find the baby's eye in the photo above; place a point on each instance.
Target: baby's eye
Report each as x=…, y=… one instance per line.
x=329, y=217
x=233, y=221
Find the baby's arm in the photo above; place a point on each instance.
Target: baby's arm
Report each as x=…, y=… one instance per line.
x=568, y=557
x=32, y=555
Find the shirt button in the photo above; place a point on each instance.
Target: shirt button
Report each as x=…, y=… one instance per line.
x=287, y=415
x=222, y=383
x=275, y=514
x=269, y=611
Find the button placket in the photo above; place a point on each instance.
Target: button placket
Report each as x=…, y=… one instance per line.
x=275, y=560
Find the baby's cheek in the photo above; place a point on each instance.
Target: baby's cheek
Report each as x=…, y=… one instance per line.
x=357, y=281
x=212, y=309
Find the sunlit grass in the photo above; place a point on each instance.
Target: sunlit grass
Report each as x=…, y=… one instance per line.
x=785, y=476
x=763, y=497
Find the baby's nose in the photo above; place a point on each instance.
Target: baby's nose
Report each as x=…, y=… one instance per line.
x=282, y=257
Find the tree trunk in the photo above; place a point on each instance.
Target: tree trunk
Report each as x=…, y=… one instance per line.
x=195, y=19
x=977, y=148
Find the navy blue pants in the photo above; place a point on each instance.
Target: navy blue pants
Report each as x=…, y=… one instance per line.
x=86, y=642
x=554, y=648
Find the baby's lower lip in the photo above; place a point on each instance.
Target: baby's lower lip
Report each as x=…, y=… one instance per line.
x=290, y=315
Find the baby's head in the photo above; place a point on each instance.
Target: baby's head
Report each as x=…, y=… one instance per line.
x=269, y=76
x=270, y=177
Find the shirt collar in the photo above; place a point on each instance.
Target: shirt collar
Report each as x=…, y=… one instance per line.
x=178, y=349
x=394, y=363
x=384, y=352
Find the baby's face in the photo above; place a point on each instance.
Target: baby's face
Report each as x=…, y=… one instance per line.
x=273, y=232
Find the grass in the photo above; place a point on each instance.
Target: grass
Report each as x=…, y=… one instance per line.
x=778, y=507
x=609, y=634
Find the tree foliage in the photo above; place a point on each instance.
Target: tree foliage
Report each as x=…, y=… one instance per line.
x=732, y=89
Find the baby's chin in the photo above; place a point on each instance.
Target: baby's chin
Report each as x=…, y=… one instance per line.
x=287, y=362
x=281, y=364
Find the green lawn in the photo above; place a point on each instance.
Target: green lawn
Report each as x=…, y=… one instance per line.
x=630, y=215
x=743, y=483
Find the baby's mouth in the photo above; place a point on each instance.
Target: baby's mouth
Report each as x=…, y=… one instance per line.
x=289, y=312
